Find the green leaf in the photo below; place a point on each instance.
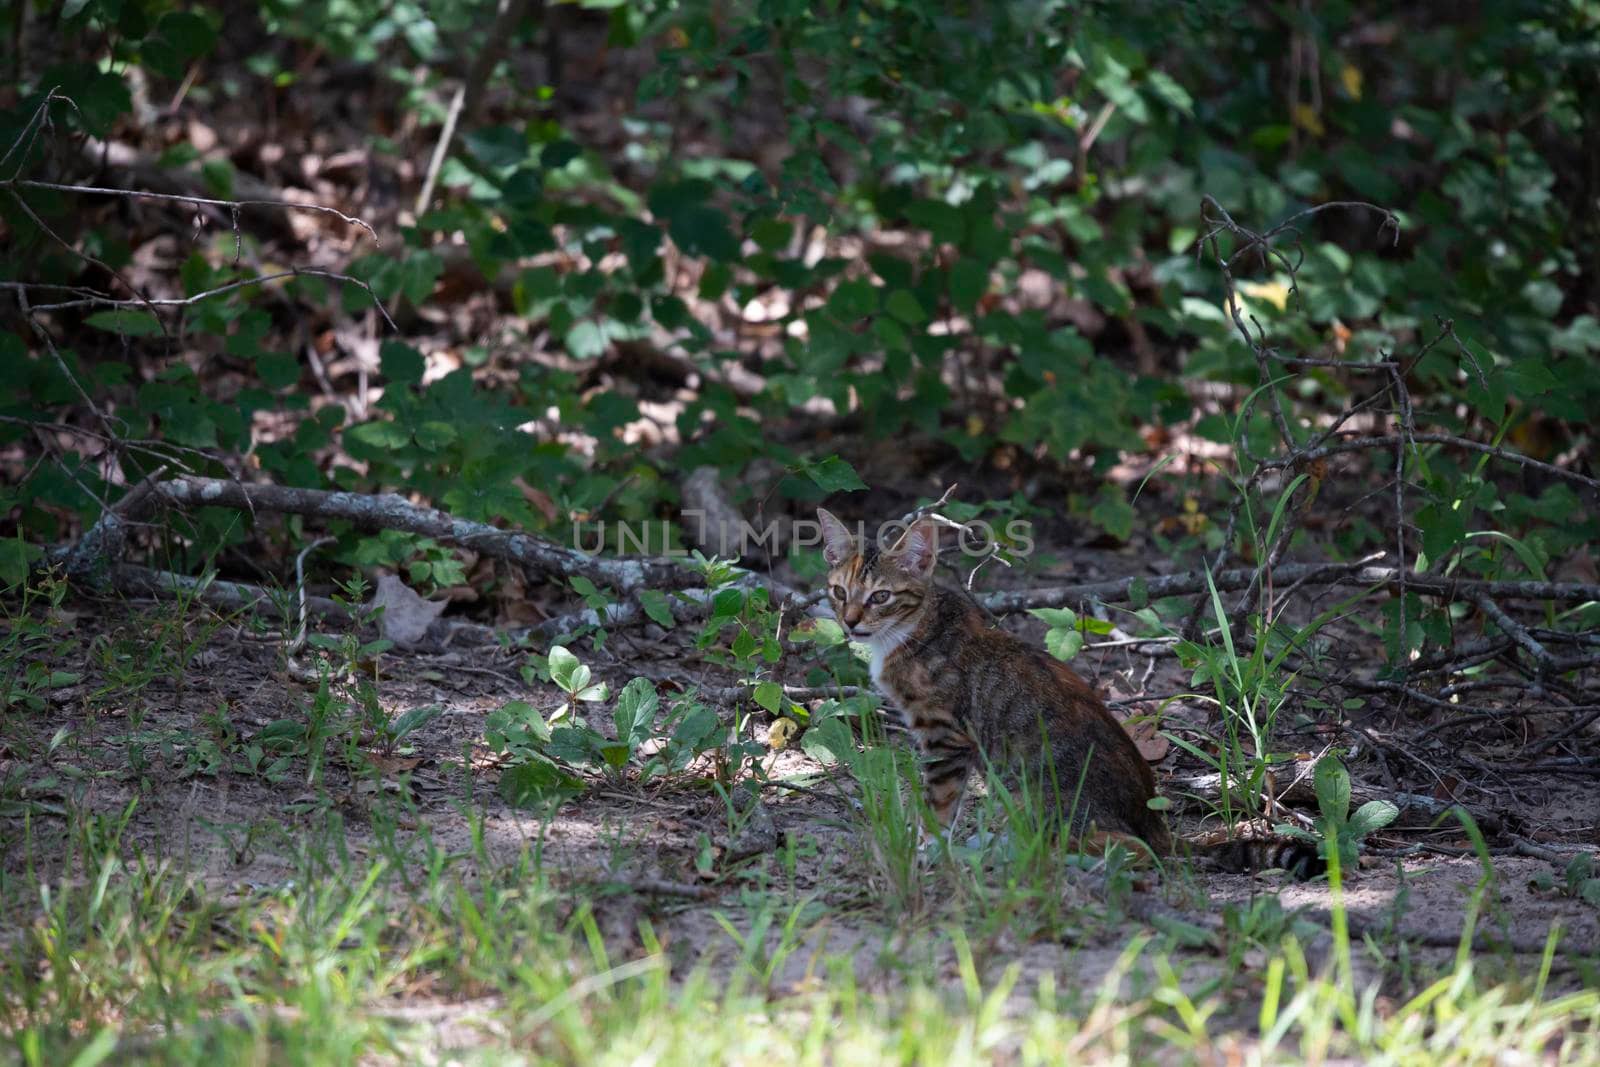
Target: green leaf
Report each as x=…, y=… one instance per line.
x=558, y=154
x=15, y=557
x=969, y=280
x=515, y=724
x=98, y=1050
x=1063, y=644
x=382, y=435
x=1580, y=336
x=1168, y=89
x=853, y=300
x=903, y=305
x=565, y=668
x=1331, y=782
x=726, y=603
x=497, y=146
x=699, y=729
x=655, y=604
x=635, y=713
x=1443, y=526
x=702, y=230
x=1112, y=513
x=769, y=695
x=187, y=32
x=1373, y=815
x=401, y=363
x=125, y=321
x=434, y=435
x=538, y=784
x=278, y=370
x=413, y=720
x=1057, y=617
x=830, y=742
x=586, y=339
x=772, y=235
x=834, y=475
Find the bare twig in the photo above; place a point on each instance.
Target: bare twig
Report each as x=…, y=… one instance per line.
x=183, y=302
x=131, y=580
x=468, y=95
x=232, y=205
x=1359, y=573
x=1516, y=630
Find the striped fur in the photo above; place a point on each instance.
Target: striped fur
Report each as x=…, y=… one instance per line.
x=1255, y=846
x=971, y=693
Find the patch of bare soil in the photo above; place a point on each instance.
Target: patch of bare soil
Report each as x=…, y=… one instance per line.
x=184, y=747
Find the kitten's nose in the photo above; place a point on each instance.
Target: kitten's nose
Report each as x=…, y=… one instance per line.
x=852, y=614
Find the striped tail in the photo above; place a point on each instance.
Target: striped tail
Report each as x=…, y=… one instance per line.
x=1253, y=847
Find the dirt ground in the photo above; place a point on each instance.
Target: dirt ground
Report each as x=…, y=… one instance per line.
x=632, y=849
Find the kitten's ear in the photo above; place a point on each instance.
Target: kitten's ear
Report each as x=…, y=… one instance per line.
x=918, y=549
x=838, y=544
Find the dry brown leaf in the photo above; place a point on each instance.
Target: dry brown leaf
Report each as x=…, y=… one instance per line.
x=406, y=616
x=392, y=765
x=1151, y=743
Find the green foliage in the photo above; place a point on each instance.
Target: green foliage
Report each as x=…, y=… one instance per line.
x=1579, y=879
x=1065, y=638
x=1248, y=689
x=1339, y=829
x=1062, y=145
x=574, y=679
x=29, y=643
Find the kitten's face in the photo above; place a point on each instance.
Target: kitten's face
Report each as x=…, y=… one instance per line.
x=872, y=590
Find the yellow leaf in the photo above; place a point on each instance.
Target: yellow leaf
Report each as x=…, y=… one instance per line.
x=781, y=734
x=1351, y=77
x=1275, y=292
x=1306, y=117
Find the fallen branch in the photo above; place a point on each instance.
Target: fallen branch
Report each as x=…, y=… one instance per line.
x=1300, y=792
x=1122, y=589
x=132, y=580
x=390, y=511
x=1515, y=629
x=630, y=574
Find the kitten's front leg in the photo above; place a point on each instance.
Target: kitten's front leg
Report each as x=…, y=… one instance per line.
x=944, y=779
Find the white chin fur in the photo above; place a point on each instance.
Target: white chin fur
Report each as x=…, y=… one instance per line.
x=882, y=644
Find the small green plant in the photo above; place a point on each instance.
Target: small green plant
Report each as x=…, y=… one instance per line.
x=1249, y=690
x=759, y=960
x=577, y=743
x=1579, y=880
x=428, y=565
x=892, y=811
x=1338, y=830
x=689, y=730
x=575, y=680
x=1066, y=636
x=271, y=751
x=31, y=639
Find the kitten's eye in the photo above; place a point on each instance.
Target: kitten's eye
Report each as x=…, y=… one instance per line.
x=837, y=592
x=880, y=597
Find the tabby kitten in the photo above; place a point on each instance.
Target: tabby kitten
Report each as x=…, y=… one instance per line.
x=971, y=693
